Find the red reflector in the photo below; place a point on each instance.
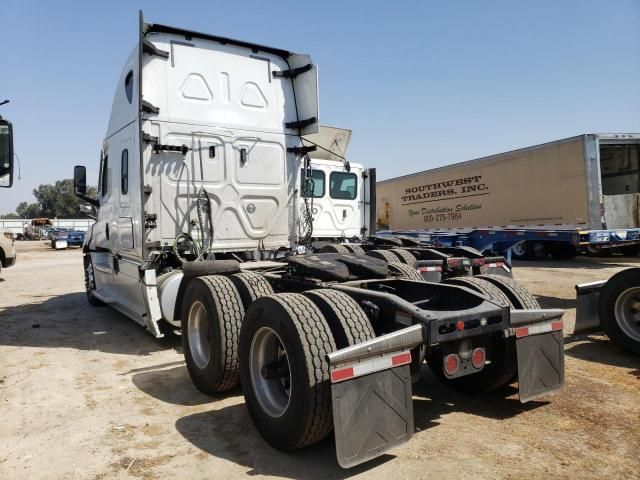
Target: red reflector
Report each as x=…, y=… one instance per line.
x=453, y=262
x=478, y=357
x=522, y=332
x=451, y=364
x=478, y=262
x=556, y=325
x=401, y=359
x=460, y=325
x=343, y=374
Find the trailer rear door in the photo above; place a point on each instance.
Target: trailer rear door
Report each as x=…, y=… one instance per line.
x=620, y=180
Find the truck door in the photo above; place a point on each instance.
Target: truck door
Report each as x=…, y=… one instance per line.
x=620, y=171
x=344, y=193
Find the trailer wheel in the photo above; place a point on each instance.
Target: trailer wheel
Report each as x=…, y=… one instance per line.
x=563, y=251
x=212, y=314
x=250, y=286
x=619, y=309
x=406, y=271
x=385, y=255
x=405, y=256
x=334, y=248
x=90, y=283
x=482, y=286
x=347, y=321
x=355, y=249
x=284, y=371
x=518, y=295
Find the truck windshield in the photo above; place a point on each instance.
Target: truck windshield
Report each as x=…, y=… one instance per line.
x=343, y=185
x=317, y=190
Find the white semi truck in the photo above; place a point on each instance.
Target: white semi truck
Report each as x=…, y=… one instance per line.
x=198, y=228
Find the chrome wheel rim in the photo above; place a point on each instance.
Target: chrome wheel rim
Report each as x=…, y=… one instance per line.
x=519, y=249
x=268, y=355
x=198, y=327
x=627, y=312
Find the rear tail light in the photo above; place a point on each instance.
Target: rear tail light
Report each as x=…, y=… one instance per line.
x=454, y=262
x=451, y=364
x=477, y=262
x=478, y=358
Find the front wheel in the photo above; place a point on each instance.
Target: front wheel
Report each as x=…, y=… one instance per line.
x=90, y=283
x=284, y=371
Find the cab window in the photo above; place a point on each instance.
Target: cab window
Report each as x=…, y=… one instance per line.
x=104, y=186
x=343, y=185
x=317, y=190
x=128, y=86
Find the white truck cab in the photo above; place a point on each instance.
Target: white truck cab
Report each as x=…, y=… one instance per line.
x=339, y=193
x=199, y=221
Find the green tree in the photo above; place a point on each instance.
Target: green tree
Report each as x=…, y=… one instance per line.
x=28, y=210
x=9, y=216
x=57, y=200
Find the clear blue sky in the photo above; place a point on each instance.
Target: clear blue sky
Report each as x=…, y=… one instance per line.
x=421, y=84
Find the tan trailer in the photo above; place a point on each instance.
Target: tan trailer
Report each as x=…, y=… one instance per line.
x=586, y=183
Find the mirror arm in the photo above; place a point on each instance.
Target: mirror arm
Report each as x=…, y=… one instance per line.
x=88, y=215
x=89, y=200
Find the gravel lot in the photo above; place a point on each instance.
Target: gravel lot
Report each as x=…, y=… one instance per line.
x=86, y=393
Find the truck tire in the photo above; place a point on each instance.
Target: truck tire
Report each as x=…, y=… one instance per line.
x=212, y=315
x=348, y=323
x=563, y=252
x=90, y=283
x=385, y=255
x=405, y=271
x=482, y=286
x=405, y=256
x=285, y=375
x=518, y=295
x=334, y=248
x=619, y=309
x=355, y=249
x=250, y=286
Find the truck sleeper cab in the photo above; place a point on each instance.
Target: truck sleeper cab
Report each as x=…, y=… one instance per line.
x=196, y=227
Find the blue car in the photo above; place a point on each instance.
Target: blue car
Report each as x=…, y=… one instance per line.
x=74, y=238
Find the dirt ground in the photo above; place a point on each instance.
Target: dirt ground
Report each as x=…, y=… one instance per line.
x=86, y=393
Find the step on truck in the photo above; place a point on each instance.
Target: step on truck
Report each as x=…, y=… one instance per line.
x=197, y=229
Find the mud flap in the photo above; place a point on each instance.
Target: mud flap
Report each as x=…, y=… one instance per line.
x=372, y=414
x=587, y=298
x=540, y=364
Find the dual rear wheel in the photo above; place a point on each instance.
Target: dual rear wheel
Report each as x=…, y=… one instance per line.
x=236, y=329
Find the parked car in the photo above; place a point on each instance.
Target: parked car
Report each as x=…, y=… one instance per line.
x=7, y=250
x=63, y=238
